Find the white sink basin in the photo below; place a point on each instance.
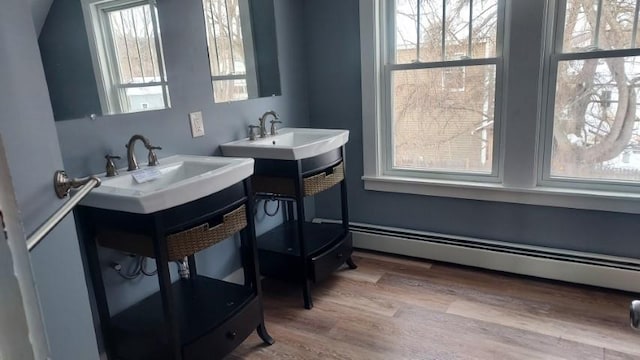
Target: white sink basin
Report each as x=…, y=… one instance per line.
x=289, y=144
x=178, y=180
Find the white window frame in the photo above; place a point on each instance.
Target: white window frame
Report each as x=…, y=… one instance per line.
x=103, y=56
x=519, y=157
x=388, y=67
x=555, y=55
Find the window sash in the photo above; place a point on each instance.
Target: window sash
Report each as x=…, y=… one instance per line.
x=554, y=55
x=387, y=47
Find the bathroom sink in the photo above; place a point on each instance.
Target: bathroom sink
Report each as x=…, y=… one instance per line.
x=288, y=144
x=177, y=180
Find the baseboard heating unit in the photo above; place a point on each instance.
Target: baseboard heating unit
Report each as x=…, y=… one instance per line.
x=572, y=266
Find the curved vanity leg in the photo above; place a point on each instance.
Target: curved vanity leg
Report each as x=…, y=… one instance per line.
x=264, y=335
x=351, y=264
x=345, y=207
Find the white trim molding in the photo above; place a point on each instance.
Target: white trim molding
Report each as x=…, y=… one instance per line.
x=22, y=334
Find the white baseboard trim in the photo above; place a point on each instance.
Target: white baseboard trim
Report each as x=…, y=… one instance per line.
x=556, y=264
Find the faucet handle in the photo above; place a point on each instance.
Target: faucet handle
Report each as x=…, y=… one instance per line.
x=153, y=158
x=252, y=133
x=111, y=166
x=274, y=130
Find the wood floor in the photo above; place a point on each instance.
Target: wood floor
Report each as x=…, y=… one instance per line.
x=398, y=308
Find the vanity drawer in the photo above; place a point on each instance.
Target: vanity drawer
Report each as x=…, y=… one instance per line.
x=324, y=264
x=224, y=339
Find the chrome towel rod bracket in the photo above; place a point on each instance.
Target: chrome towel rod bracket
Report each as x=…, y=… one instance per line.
x=62, y=184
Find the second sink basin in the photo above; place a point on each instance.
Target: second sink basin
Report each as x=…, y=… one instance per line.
x=289, y=144
x=178, y=179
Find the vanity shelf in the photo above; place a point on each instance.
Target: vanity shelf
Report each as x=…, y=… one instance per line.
x=297, y=249
x=198, y=318
x=221, y=310
x=327, y=246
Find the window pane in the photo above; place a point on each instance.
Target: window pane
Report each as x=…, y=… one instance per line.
x=408, y=13
x=230, y=90
x=419, y=26
x=589, y=26
x=457, y=30
x=443, y=119
x=224, y=37
x=144, y=98
x=595, y=131
x=133, y=38
x=485, y=28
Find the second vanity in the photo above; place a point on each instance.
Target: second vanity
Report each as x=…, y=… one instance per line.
x=294, y=164
x=193, y=203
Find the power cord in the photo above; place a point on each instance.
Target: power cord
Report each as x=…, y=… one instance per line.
x=140, y=268
x=266, y=211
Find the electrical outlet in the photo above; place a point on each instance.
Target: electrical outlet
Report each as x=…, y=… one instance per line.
x=197, y=126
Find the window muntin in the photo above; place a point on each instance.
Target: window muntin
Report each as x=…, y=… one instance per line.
x=599, y=25
x=128, y=51
x=441, y=91
x=594, y=132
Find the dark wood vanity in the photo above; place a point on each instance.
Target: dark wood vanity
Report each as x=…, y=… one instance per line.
x=299, y=250
x=198, y=318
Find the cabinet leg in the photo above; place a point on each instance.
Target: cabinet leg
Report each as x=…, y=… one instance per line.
x=191, y=260
x=264, y=335
x=91, y=250
x=171, y=325
x=306, y=294
x=351, y=264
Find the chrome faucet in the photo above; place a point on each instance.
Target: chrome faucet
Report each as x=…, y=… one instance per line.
x=131, y=157
x=263, y=119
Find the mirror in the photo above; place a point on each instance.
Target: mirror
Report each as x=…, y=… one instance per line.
x=243, y=51
x=103, y=57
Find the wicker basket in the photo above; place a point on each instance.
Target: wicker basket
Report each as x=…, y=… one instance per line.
x=311, y=185
x=181, y=244
x=321, y=182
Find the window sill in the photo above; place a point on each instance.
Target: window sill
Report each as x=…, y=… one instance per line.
x=543, y=196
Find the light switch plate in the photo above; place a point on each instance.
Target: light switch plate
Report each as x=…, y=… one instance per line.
x=197, y=126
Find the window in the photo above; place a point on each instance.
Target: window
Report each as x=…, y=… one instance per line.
x=441, y=67
x=593, y=134
x=229, y=39
x=127, y=55
x=531, y=102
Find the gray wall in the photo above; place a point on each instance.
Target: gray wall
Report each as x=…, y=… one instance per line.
x=84, y=142
x=333, y=52
x=32, y=151
x=66, y=58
